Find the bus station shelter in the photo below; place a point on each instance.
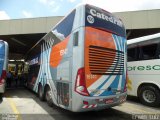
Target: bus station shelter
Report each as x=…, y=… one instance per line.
x=22, y=34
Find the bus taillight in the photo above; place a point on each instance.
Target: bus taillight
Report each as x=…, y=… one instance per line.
x=3, y=77
x=80, y=86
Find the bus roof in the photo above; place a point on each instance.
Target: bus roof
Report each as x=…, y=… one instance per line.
x=80, y=5
x=142, y=39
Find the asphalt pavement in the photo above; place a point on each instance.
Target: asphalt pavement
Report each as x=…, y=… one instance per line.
x=22, y=104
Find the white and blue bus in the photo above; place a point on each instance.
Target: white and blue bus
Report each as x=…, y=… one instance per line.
x=3, y=65
x=80, y=65
x=144, y=69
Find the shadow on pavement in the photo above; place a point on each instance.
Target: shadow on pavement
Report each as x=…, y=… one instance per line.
x=1, y=100
x=20, y=92
x=135, y=100
x=108, y=114
x=56, y=113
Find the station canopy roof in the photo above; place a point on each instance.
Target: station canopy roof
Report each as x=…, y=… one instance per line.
x=19, y=45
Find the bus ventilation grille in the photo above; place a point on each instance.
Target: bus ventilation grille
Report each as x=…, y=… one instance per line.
x=63, y=93
x=105, y=61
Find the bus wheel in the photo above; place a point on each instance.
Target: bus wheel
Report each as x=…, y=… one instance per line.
x=40, y=93
x=150, y=96
x=48, y=96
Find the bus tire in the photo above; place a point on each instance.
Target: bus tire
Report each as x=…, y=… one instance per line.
x=48, y=97
x=40, y=93
x=149, y=95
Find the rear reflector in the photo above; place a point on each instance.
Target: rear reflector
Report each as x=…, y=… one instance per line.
x=90, y=106
x=85, y=102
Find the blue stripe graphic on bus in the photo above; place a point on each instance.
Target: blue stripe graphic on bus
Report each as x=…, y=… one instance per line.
x=106, y=93
x=2, y=49
x=104, y=82
x=115, y=40
x=123, y=80
x=118, y=47
x=1, y=63
x=113, y=85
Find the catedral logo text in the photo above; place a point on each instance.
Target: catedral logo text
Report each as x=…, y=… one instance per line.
x=111, y=19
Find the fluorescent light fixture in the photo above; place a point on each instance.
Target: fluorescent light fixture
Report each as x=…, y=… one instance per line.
x=11, y=60
x=22, y=60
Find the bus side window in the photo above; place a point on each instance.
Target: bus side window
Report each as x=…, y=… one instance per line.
x=157, y=56
x=75, y=39
x=131, y=54
x=149, y=51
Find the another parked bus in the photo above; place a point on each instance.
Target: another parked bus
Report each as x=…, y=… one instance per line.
x=80, y=65
x=3, y=65
x=144, y=69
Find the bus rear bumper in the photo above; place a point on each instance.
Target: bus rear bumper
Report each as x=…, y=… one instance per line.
x=98, y=103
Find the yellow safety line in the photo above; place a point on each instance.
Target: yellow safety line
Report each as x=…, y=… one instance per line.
x=13, y=106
